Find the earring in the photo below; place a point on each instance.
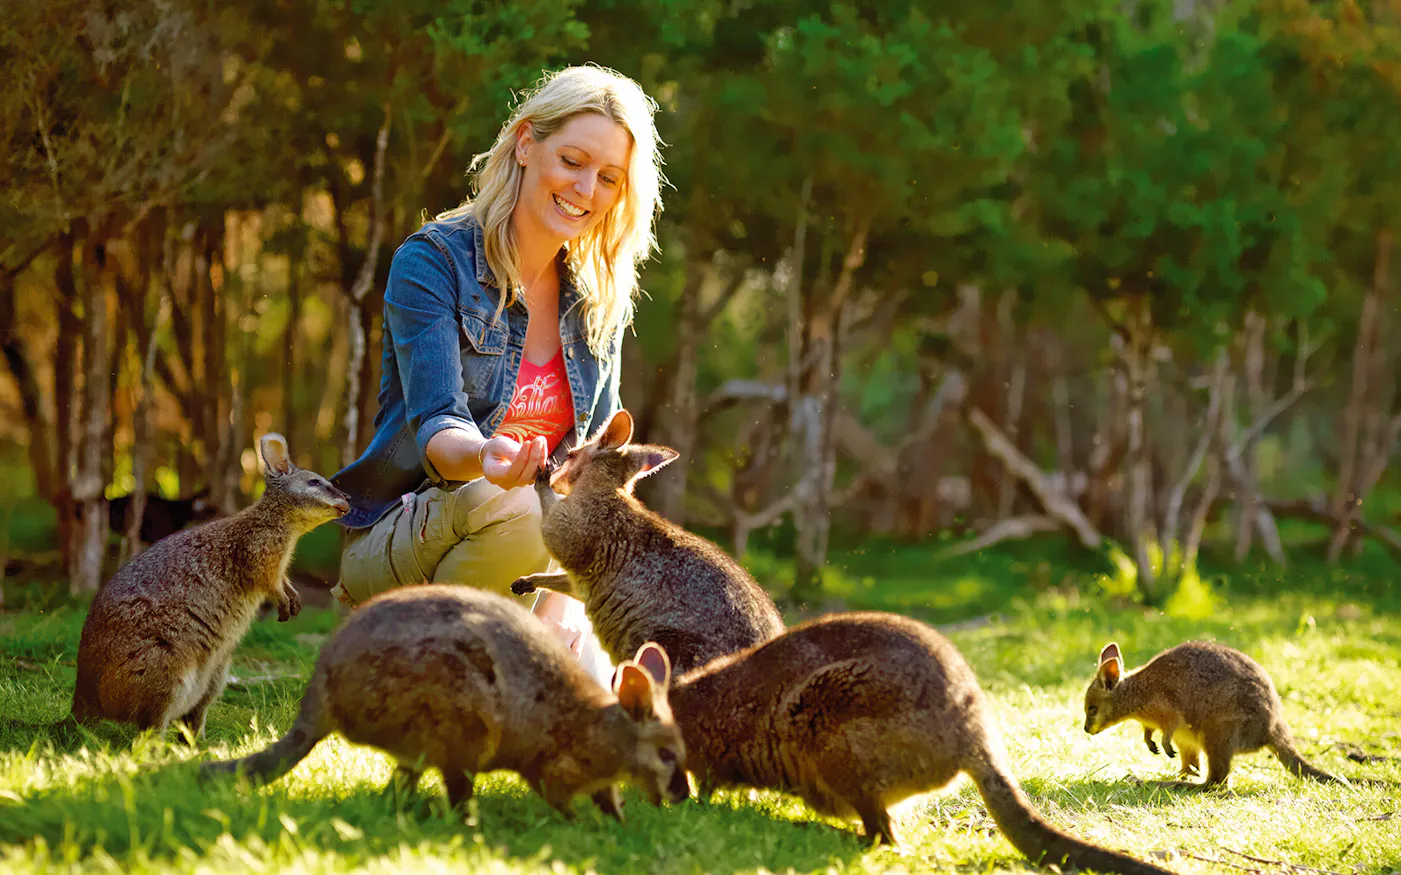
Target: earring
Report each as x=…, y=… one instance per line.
x=521, y=162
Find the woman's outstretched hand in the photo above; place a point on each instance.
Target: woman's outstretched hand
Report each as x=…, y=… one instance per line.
x=508, y=463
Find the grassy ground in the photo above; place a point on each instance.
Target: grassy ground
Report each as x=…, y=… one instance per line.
x=1333, y=647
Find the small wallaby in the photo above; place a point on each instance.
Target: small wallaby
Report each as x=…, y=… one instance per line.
x=855, y=712
x=157, y=642
x=162, y=516
x=468, y=681
x=1204, y=698
x=641, y=577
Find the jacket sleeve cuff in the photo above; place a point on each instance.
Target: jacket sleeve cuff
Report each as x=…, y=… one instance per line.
x=441, y=422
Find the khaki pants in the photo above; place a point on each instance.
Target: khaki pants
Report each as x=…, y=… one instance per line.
x=478, y=535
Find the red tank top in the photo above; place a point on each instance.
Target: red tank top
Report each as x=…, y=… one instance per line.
x=542, y=403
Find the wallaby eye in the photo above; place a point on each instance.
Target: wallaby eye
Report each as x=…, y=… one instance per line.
x=317, y=481
x=1092, y=710
x=666, y=755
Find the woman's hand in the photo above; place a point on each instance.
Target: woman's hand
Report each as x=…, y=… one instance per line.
x=508, y=463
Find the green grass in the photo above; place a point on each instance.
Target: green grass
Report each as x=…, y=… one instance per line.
x=1331, y=641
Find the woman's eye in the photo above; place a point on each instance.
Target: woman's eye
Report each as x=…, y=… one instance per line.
x=610, y=181
x=570, y=162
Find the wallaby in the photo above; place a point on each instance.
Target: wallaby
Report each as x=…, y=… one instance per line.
x=162, y=516
x=855, y=712
x=1203, y=697
x=157, y=642
x=641, y=577
x=468, y=681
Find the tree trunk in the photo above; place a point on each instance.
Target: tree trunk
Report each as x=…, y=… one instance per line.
x=1254, y=364
x=142, y=437
x=41, y=461
x=1136, y=521
x=358, y=320
x=1061, y=406
x=678, y=424
x=821, y=383
x=85, y=570
x=65, y=364
x=290, y=334
x=1368, y=331
x=1016, y=396
x=1368, y=436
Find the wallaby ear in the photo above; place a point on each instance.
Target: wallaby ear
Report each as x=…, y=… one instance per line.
x=633, y=686
x=650, y=459
x=617, y=432
x=1109, y=673
x=1110, y=651
x=273, y=447
x=652, y=656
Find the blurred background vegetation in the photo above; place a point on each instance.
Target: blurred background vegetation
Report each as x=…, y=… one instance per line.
x=1112, y=279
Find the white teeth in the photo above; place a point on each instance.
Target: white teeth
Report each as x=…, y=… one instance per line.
x=568, y=208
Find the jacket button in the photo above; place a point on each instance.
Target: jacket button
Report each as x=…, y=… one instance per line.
x=570, y=353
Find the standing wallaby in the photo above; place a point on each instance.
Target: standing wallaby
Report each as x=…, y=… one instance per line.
x=642, y=578
x=855, y=712
x=157, y=642
x=1203, y=697
x=467, y=681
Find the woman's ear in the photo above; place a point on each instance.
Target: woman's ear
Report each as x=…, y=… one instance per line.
x=525, y=138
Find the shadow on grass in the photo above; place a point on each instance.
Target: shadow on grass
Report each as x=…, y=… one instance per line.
x=166, y=812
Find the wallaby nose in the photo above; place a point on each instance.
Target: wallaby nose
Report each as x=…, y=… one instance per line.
x=342, y=505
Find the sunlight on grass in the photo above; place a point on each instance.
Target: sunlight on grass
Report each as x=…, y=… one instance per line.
x=107, y=806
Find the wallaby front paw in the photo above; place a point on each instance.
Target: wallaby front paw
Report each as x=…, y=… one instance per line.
x=289, y=605
x=523, y=586
x=1152, y=746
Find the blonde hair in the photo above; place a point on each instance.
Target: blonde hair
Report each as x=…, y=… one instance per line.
x=604, y=260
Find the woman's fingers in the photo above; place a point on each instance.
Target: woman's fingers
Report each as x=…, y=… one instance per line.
x=514, y=464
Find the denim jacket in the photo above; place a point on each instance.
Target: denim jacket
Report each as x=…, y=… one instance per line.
x=448, y=363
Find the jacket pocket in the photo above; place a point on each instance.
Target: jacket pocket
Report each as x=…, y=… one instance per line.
x=485, y=336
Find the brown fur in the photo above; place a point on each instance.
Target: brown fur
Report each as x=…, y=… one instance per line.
x=467, y=681
x=1204, y=698
x=855, y=712
x=641, y=577
x=157, y=641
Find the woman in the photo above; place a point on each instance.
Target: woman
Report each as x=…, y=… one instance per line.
x=503, y=322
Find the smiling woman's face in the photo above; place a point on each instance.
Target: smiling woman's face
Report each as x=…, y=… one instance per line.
x=572, y=179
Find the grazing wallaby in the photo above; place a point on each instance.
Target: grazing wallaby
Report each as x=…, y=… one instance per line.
x=855, y=712
x=1205, y=698
x=157, y=642
x=162, y=517
x=468, y=681
x=642, y=578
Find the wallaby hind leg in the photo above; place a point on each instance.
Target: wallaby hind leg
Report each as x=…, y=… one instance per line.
x=1191, y=759
x=875, y=819
x=194, y=718
x=403, y=783
x=459, y=786
x=1218, y=762
x=609, y=802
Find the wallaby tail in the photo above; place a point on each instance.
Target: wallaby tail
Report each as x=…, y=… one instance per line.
x=1282, y=743
x=1029, y=833
x=282, y=755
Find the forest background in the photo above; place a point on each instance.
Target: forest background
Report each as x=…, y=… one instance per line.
x=1115, y=274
